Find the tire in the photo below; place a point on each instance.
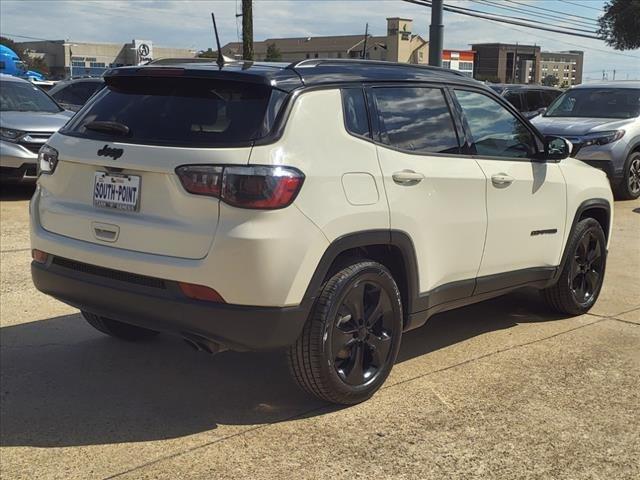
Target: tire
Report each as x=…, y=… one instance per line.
x=581, y=279
x=121, y=330
x=347, y=348
x=629, y=186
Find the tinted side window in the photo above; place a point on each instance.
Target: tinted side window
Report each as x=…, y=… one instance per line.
x=67, y=95
x=416, y=119
x=494, y=130
x=85, y=89
x=355, y=111
x=534, y=100
x=514, y=99
x=549, y=96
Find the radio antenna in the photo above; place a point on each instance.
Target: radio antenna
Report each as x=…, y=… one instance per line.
x=220, y=59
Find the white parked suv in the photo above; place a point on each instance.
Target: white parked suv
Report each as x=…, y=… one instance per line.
x=325, y=207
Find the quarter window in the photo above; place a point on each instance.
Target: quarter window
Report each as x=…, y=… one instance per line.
x=495, y=131
x=534, y=100
x=355, y=111
x=416, y=119
x=514, y=99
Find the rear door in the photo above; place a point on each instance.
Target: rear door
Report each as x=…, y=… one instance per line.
x=526, y=198
x=435, y=195
x=115, y=182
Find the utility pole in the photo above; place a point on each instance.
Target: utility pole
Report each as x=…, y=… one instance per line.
x=247, y=30
x=364, y=48
x=515, y=62
x=435, y=34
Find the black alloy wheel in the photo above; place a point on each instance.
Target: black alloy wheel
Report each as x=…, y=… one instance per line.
x=351, y=339
x=362, y=333
x=580, y=281
x=587, y=267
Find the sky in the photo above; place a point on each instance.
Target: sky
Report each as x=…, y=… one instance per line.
x=187, y=24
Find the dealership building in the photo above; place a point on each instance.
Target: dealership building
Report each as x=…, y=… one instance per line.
x=71, y=58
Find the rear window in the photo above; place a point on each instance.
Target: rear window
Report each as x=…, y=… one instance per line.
x=192, y=112
x=76, y=93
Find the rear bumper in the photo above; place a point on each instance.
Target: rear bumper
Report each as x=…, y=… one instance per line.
x=160, y=305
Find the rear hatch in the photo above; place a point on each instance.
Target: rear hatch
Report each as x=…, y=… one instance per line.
x=115, y=181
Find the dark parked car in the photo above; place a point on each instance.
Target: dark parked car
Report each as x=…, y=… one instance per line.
x=530, y=100
x=73, y=94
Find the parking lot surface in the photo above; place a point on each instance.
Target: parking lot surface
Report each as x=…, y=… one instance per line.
x=501, y=389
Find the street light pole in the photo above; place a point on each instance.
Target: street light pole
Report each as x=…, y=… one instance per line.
x=67, y=44
x=435, y=34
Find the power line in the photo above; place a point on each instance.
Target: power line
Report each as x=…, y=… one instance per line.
x=552, y=11
x=499, y=18
x=540, y=15
x=31, y=38
x=572, y=44
x=508, y=17
x=582, y=5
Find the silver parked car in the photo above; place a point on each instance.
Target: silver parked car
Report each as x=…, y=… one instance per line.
x=602, y=121
x=28, y=117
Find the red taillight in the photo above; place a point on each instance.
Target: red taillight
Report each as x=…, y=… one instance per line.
x=39, y=256
x=201, y=179
x=257, y=187
x=200, y=292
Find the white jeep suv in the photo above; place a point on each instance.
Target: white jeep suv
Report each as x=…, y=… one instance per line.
x=325, y=207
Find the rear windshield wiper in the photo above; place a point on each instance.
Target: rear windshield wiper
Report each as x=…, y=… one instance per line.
x=107, y=127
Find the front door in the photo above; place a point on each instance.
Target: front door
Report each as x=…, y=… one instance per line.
x=526, y=197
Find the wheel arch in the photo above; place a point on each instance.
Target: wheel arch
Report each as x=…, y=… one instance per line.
x=392, y=248
x=597, y=208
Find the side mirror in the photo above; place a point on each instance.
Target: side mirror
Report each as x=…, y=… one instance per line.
x=557, y=148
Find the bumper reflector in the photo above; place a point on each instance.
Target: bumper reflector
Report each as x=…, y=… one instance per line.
x=39, y=256
x=200, y=292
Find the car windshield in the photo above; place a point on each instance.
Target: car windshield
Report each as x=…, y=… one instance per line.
x=597, y=103
x=24, y=97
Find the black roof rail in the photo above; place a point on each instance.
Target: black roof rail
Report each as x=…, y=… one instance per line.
x=314, y=62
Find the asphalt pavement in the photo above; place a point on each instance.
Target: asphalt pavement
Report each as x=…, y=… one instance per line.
x=502, y=389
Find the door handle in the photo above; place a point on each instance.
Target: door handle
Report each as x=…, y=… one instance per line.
x=502, y=180
x=407, y=177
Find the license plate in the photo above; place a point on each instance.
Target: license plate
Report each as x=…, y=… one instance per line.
x=121, y=192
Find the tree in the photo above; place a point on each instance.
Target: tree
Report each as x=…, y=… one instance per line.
x=31, y=63
x=273, y=54
x=7, y=42
x=208, y=53
x=550, y=81
x=36, y=63
x=620, y=24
